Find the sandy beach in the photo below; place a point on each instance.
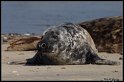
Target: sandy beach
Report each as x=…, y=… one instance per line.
x=57, y=27
x=87, y=72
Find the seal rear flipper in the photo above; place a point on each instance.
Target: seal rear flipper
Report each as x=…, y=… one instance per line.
x=106, y=62
x=93, y=58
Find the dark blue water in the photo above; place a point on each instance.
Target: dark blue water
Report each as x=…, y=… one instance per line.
x=36, y=16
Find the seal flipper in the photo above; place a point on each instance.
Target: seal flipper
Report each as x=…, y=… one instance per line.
x=17, y=62
x=36, y=60
x=39, y=59
x=93, y=58
x=99, y=61
x=106, y=62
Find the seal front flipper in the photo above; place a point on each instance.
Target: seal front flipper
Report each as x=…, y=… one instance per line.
x=17, y=62
x=39, y=59
x=106, y=62
x=36, y=60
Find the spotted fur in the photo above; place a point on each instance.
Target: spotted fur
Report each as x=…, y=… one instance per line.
x=67, y=44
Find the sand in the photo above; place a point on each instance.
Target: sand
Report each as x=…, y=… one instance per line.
x=87, y=72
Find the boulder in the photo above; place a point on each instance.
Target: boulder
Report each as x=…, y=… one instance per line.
x=23, y=44
x=106, y=33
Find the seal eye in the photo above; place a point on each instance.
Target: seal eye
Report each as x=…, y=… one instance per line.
x=43, y=45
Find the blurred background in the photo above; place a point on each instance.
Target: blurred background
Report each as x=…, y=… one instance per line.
x=36, y=16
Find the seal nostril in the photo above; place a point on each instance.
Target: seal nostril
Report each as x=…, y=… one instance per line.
x=43, y=45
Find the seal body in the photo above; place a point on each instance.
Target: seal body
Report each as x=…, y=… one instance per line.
x=66, y=44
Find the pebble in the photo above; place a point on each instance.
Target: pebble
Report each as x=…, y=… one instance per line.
x=7, y=57
x=120, y=58
x=115, y=71
x=104, y=57
x=32, y=70
x=57, y=74
x=21, y=54
x=14, y=71
x=48, y=67
x=121, y=53
x=17, y=74
x=10, y=63
x=63, y=68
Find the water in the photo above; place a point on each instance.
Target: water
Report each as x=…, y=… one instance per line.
x=36, y=16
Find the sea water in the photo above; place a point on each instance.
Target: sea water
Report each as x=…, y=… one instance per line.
x=36, y=16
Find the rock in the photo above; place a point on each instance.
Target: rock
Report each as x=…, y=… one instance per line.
x=14, y=71
x=120, y=58
x=21, y=54
x=63, y=68
x=58, y=74
x=121, y=53
x=24, y=44
x=106, y=33
x=4, y=38
x=48, y=67
x=115, y=71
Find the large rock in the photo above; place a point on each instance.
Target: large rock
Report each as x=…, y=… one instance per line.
x=23, y=44
x=106, y=33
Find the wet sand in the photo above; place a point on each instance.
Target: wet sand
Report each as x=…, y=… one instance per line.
x=58, y=72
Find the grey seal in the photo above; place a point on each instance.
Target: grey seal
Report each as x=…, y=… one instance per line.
x=66, y=44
